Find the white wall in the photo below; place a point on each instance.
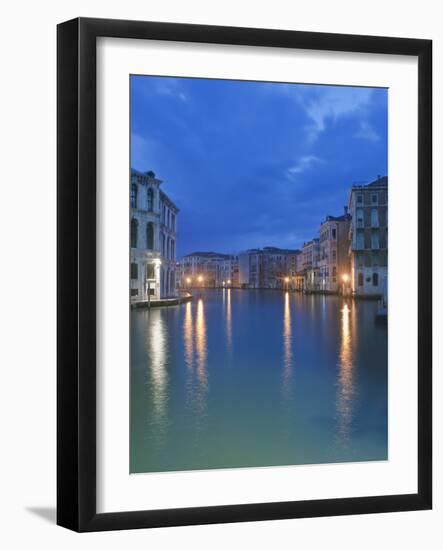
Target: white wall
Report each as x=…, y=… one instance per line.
x=27, y=304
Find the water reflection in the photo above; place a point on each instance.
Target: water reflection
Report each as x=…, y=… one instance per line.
x=228, y=319
x=195, y=351
x=157, y=373
x=188, y=336
x=346, y=386
x=306, y=389
x=287, y=344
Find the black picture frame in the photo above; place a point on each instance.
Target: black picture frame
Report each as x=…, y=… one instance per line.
x=76, y=266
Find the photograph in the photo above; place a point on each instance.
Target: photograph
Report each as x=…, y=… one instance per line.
x=258, y=274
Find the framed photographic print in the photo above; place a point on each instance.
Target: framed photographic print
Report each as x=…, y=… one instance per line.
x=244, y=274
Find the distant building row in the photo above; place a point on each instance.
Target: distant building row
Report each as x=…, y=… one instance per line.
x=349, y=255
x=208, y=269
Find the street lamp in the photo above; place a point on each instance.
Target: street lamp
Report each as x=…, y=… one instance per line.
x=228, y=282
x=286, y=281
x=188, y=281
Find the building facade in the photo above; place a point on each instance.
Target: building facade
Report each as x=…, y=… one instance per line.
x=368, y=250
x=208, y=269
x=269, y=267
x=333, y=256
x=153, y=237
x=308, y=276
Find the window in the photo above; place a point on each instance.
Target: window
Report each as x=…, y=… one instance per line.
x=374, y=217
x=134, y=271
x=173, y=221
x=150, y=199
x=334, y=233
x=134, y=195
x=150, y=236
x=360, y=279
x=359, y=199
x=134, y=233
x=375, y=279
x=375, y=240
x=134, y=292
x=374, y=198
x=150, y=271
x=360, y=218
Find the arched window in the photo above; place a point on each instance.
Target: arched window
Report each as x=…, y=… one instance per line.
x=150, y=236
x=134, y=233
x=360, y=279
x=167, y=248
x=134, y=195
x=150, y=199
x=375, y=279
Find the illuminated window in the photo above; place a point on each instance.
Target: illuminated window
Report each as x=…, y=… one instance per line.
x=150, y=271
x=360, y=279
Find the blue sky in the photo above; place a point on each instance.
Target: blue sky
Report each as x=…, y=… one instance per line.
x=253, y=164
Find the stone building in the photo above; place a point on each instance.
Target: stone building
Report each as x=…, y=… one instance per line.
x=208, y=269
x=153, y=236
x=269, y=267
x=309, y=265
x=333, y=258
x=368, y=206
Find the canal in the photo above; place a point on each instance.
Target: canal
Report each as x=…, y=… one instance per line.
x=243, y=378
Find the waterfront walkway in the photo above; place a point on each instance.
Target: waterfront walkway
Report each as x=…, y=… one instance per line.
x=175, y=301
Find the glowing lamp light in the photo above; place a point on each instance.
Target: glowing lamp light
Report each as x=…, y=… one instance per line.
x=199, y=278
x=188, y=280
x=345, y=277
x=286, y=279
x=229, y=281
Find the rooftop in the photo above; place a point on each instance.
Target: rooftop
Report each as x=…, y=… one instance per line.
x=207, y=255
x=381, y=181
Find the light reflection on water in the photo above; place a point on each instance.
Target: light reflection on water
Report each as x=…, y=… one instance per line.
x=157, y=346
x=287, y=345
x=346, y=388
x=228, y=318
x=190, y=409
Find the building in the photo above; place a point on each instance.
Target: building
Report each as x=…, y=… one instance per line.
x=153, y=236
x=368, y=206
x=308, y=276
x=208, y=269
x=333, y=257
x=269, y=267
x=299, y=282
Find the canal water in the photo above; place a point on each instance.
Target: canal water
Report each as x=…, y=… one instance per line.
x=243, y=378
